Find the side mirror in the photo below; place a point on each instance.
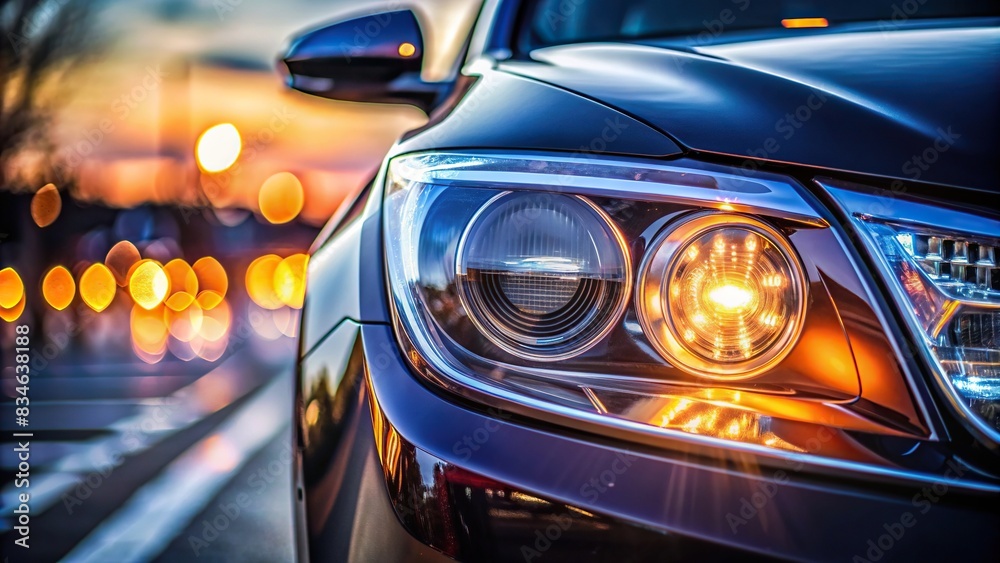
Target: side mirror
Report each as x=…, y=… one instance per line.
x=374, y=58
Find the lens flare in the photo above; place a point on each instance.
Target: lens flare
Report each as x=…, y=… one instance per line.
x=58, y=288
x=281, y=198
x=218, y=147
x=149, y=284
x=98, y=287
x=260, y=282
x=120, y=260
x=46, y=205
x=290, y=280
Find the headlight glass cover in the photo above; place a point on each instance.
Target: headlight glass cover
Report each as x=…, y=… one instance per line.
x=680, y=299
x=941, y=266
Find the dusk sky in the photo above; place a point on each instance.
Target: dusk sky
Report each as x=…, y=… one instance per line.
x=169, y=69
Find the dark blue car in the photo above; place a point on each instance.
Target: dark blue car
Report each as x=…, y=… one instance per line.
x=660, y=281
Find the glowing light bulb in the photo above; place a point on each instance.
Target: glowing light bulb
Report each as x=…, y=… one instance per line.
x=725, y=302
x=730, y=297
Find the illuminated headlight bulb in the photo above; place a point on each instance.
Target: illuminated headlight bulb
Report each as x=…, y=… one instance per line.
x=721, y=295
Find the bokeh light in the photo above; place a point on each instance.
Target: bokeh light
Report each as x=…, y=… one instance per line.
x=97, y=287
x=185, y=323
x=286, y=321
x=215, y=322
x=58, y=288
x=260, y=282
x=11, y=314
x=182, y=277
x=209, y=299
x=179, y=301
x=149, y=333
x=120, y=260
x=11, y=288
x=281, y=198
x=290, y=280
x=406, y=49
x=12, y=297
x=218, y=147
x=46, y=205
x=211, y=276
x=149, y=284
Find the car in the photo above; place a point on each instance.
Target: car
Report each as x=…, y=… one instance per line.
x=660, y=281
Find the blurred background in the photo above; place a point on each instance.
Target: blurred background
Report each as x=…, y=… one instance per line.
x=159, y=190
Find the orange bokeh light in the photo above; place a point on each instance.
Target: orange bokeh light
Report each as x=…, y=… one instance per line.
x=46, y=205
x=120, y=260
x=58, y=288
x=11, y=288
x=260, y=282
x=406, y=49
x=211, y=275
x=281, y=198
x=148, y=284
x=184, y=324
x=182, y=277
x=97, y=287
x=216, y=322
x=290, y=280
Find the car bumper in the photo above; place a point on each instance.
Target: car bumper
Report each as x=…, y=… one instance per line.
x=393, y=470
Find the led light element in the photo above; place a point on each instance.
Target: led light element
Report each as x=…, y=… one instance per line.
x=543, y=276
x=942, y=269
x=721, y=295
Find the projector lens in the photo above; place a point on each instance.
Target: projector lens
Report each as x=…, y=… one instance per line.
x=543, y=276
x=722, y=295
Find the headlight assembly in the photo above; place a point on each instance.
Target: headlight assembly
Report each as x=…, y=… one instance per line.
x=676, y=300
x=941, y=267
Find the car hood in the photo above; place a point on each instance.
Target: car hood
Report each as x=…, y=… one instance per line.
x=909, y=104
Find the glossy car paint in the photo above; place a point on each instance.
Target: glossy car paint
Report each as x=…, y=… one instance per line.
x=875, y=101
x=396, y=469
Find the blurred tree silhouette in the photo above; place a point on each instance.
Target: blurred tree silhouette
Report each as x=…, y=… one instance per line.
x=41, y=39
